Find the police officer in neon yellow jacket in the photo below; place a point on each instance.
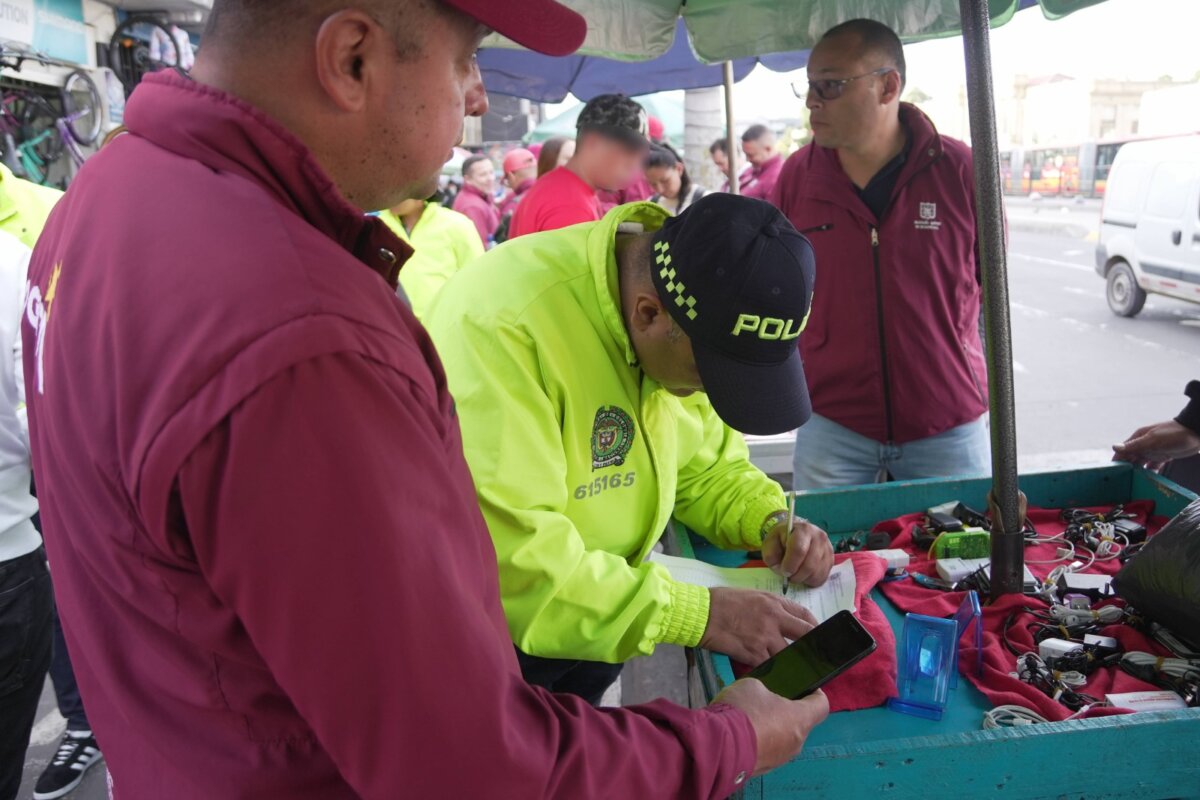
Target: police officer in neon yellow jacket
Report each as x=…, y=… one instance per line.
x=576, y=358
x=443, y=242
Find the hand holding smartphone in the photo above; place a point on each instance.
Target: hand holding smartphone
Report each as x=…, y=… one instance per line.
x=816, y=658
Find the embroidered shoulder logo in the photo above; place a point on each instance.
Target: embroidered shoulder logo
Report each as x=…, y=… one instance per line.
x=612, y=437
x=927, y=217
x=37, y=313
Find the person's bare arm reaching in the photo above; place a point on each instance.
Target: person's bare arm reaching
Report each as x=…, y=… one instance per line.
x=1154, y=445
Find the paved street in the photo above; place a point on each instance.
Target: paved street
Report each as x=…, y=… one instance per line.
x=1085, y=379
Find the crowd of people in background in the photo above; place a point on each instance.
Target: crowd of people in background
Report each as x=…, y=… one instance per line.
x=620, y=155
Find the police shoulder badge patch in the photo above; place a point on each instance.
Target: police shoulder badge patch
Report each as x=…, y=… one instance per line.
x=612, y=437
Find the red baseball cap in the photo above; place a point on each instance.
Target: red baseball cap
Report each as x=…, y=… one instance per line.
x=519, y=158
x=542, y=25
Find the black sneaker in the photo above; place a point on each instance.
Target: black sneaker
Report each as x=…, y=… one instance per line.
x=77, y=753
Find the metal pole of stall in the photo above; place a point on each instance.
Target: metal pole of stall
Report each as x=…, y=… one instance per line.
x=731, y=138
x=1008, y=555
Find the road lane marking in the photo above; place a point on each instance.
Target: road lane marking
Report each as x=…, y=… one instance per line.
x=1029, y=311
x=1053, y=262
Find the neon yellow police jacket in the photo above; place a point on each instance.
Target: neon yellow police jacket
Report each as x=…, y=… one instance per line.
x=579, y=459
x=443, y=241
x=24, y=206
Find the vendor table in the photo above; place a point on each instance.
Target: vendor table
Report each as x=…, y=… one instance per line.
x=877, y=752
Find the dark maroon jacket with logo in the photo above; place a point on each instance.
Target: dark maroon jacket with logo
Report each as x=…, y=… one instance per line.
x=272, y=571
x=892, y=349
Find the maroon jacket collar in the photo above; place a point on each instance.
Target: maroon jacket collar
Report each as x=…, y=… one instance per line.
x=827, y=180
x=227, y=134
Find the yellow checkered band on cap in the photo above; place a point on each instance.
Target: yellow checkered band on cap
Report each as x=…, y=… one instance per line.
x=667, y=273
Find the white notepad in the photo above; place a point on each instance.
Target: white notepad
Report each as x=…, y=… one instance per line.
x=836, y=594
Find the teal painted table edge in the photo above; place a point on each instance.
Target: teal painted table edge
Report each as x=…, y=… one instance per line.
x=854, y=754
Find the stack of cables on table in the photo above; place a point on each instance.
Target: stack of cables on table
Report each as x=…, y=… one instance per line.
x=1064, y=677
x=1179, y=675
x=1089, y=535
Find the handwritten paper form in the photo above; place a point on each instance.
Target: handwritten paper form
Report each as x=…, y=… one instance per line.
x=836, y=594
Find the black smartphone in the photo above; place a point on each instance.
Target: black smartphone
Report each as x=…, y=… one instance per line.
x=818, y=657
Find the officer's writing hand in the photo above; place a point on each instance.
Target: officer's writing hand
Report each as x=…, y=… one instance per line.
x=751, y=626
x=804, y=557
x=781, y=725
x=1154, y=445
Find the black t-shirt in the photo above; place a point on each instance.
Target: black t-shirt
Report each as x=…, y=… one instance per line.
x=1190, y=416
x=877, y=194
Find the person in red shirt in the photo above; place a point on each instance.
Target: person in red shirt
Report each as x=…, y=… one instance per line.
x=758, y=143
x=893, y=351
x=270, y=562
x=609, y=147
x=477, y=199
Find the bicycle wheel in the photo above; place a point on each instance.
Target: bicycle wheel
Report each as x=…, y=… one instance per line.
x=82, y=110
x=139, y=46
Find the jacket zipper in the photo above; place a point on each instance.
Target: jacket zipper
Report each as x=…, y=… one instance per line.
x=828, y=226
x=887, y=383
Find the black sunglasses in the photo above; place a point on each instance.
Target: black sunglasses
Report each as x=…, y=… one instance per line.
x=832, y=88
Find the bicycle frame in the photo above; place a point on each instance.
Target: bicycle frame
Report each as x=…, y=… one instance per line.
x=36, y=168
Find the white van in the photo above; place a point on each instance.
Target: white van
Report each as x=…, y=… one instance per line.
x=1150, y=223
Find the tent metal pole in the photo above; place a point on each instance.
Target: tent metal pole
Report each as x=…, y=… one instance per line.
x=731, y=137
x=1008, y=546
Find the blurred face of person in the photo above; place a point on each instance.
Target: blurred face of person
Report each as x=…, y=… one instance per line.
x=856, y=115
x=565, y=153
x=758, y=152
x=614, y=164
x=721, y=160
x=481, y=175
x=666, y=181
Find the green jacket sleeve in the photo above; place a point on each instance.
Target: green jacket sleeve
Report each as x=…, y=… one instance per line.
x=721, y=495
x=561, y=599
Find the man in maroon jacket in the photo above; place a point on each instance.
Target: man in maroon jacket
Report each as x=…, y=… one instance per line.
x=766, y=162
x=270, y=562
x=892, y=352
x=477, y=199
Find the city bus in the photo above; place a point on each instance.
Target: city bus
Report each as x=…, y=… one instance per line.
x=1075, y=170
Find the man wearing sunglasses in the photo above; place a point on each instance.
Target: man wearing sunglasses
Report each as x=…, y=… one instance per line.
x=893, y=353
